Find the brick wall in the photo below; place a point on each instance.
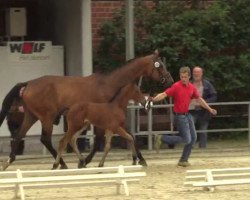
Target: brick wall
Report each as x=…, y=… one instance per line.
x=102, y=11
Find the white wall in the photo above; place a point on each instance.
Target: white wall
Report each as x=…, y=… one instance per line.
x=12, y=73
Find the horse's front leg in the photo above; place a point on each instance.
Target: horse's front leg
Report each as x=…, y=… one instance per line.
x=108, y=137
x=141, y=161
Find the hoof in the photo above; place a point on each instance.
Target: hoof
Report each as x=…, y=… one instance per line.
x=101, y=165
x=143, y=163
x=134, y=162
x=5, y=165
x=81, y=164
x=64, y=166
x=55, y=166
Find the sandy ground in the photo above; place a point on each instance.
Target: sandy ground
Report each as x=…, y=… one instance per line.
x=164, y=179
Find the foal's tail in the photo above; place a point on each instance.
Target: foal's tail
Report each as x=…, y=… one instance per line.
x=8, y=100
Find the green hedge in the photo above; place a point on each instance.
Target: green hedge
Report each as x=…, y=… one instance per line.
x=216, y=38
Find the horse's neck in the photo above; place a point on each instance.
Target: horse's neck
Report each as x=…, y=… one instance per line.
x=127, y=74
x=122, y=100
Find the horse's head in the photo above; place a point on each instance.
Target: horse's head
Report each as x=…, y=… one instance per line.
x=158, y=71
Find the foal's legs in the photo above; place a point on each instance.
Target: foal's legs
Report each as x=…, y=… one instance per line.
x=130, y=138
x=28, y=121
x=62, y=145
x=71, y=137
x=47, y=128
x=108, y=135
x=73, y=144
x=98, y=140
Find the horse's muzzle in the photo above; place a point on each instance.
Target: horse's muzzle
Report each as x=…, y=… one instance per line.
x=167, y=80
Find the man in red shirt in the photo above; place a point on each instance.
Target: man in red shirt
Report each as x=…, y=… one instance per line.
x=182, y=92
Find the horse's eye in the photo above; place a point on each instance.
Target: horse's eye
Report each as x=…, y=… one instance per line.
x=157, y=64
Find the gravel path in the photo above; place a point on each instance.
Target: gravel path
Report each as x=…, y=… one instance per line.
x=164, y=179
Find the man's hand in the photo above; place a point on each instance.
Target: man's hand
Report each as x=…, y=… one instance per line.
x=213, y=111
x=20, y=109
x=150, y=98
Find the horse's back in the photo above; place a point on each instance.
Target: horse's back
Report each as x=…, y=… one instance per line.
x=53, y=93
x=60, y=80
x=102, y=115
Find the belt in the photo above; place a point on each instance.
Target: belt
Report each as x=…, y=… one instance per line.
x=181, y=113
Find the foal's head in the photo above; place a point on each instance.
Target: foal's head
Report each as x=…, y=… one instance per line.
x=135, y=94
x=129, y=92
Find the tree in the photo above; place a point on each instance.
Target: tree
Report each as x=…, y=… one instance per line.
x=216, y=38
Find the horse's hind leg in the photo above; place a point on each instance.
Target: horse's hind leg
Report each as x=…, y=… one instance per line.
x=98, y=140
x=142, y=161
x=28, y=121
x=108, y=137
x=47, y=128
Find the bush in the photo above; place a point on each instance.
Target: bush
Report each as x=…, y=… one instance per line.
x=216, y=38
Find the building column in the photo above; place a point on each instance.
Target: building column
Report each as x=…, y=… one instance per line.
x=86, y=35
x=86, y=47
x=130, y=52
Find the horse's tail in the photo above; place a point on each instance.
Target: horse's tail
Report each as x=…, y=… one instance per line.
x=9, y=99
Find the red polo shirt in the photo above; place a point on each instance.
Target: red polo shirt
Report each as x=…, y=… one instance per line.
x=182, y=95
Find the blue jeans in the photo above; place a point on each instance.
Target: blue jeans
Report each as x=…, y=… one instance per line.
x=187, y=134
x=201, y=122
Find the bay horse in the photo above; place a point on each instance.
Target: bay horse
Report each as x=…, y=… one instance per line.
x=109, y=116
x=46, y=98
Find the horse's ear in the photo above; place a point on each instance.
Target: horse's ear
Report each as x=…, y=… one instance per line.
x=156, y=53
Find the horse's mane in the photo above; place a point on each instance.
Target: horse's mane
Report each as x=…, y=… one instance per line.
x=123, y=66
x=105, y=73
x=128, y=62
x=117, y=71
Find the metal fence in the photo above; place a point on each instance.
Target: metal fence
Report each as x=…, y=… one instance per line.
x=150, y=133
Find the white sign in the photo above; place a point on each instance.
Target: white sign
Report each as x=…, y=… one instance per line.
x=12, y=73
x=26, y=51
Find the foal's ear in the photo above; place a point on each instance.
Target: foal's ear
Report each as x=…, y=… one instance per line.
x=156, y=53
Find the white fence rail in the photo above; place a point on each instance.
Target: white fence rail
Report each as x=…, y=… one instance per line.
x=21, y=180
x=210, y=178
